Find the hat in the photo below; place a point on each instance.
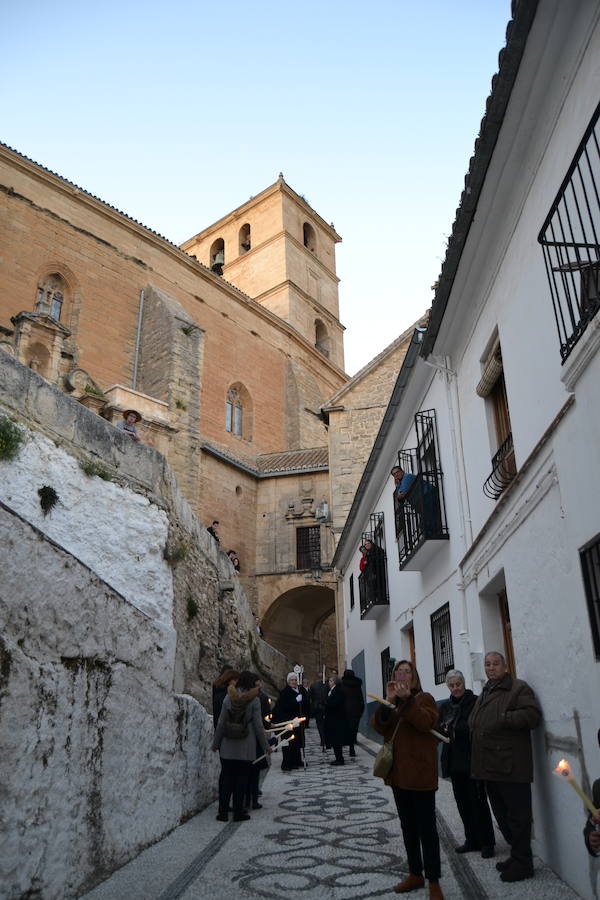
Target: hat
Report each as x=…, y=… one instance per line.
x=133, y=412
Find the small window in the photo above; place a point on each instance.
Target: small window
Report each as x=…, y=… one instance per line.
x=352, y=591
x=322, y=340
x=590, y=565
x=50, y=296
x=441, y=636
x=493, y=388
x=245, y=242
x=309, y=237
x=308, y=547
x=217, y=256
x=238, y=412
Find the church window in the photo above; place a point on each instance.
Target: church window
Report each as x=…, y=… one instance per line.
x=322, y=339
x=50, y=296
x=238, y=412
x=245, y=242
x=309, y=237
x=217, y=256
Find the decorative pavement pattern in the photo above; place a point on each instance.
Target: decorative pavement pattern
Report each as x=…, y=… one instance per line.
x=324, y=833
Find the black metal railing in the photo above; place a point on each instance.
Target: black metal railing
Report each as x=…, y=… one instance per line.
x=373, y=580
x=419, y=507
x=504, y=470
x=441, y=638
x=570, y=238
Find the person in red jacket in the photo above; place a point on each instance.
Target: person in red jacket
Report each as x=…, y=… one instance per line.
x=413, y=776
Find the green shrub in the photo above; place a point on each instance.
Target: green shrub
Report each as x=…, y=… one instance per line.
x=92, y=389
x=11, y=438
x=48, y=498
x=90, y=468
x=177, y=554
x=192, y=608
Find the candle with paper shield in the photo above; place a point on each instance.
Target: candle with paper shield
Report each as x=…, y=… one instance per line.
x=563, y=770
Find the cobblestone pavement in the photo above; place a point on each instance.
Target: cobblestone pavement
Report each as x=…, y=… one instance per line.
x=325, y=833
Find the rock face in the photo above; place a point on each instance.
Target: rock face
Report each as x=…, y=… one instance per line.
x=103, y=750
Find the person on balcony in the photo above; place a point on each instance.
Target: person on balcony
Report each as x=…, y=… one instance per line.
x=374, y=573
x=128, y=423
x=425, y=502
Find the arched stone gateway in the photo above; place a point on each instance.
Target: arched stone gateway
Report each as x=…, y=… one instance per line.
x=301, y=624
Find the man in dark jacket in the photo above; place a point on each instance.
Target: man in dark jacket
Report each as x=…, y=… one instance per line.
x=355, y=705
x=502, y=719
x=318, y=698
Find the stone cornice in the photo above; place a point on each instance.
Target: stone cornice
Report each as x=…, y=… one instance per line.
x=315, y=303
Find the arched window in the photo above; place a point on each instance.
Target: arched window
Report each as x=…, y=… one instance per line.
x=322, y=339
x=50, y=296
x=309, y=237
x=217, y=256
x=245, y=242
x=238, y=412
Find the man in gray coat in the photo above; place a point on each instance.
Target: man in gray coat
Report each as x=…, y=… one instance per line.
x=501, y=721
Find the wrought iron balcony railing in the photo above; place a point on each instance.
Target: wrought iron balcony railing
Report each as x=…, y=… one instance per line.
x=373, y=584
x=504, y=470
x=419, y=516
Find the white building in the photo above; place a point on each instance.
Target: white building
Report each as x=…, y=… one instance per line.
x=497, y=411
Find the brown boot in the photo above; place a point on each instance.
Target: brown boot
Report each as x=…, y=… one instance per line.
x=435, y=891
x=410, y=883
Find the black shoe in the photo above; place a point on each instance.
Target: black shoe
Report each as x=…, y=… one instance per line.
x=352, y=753
x=222, y=817
x=337, y=762
x=503, y=864
x=257, y=806
x=515, y=872
x=466, y=848
x=241, y=817
x=488, y=852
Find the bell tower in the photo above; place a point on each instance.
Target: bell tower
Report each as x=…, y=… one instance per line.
x=280, y=252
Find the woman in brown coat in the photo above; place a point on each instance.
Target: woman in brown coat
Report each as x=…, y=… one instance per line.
x=413, y=776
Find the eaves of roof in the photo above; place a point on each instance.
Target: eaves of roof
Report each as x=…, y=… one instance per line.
x=396, y=398
x=279, y=469
x=517, y=32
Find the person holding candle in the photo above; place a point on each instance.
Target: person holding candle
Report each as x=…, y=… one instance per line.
x=290, y=706
x=336, y=720
x=501, y=722
x=413, y=776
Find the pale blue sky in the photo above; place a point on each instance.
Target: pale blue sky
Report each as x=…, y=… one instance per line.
x=177, y=113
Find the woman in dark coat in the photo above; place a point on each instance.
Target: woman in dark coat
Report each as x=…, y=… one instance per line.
x=253, y=788
x=470, y=795
x=355, y=705
x=413, y=776
x=336, y=720
x=290, y=705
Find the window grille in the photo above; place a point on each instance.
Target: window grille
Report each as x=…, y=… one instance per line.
x=590, y=564
x=421, y=513
x=373, y=581
x=308, y=547
x=570, y=239
x=386, y=668
x=441, y=636
x=352, y=591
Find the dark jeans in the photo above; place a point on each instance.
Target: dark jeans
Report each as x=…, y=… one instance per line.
x=417, y=819
x=471, y=801
x=233, y=783
x=511, y=805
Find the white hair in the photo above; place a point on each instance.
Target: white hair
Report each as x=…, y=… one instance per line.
x=455, y=673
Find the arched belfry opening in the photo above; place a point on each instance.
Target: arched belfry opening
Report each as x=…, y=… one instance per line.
x=245, y=239
x=217, y=256
x=309, y=237
x=301, y=624
x=322, y=339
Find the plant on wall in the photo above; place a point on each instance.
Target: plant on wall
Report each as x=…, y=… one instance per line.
x=48, y=498
x=90, y=468
x=192, y=608
x=176, y=554
x=11, y=438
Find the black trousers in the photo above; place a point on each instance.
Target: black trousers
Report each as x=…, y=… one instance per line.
x=472, y=805
x=233, y=783
x=416, y=810
x=511, y=805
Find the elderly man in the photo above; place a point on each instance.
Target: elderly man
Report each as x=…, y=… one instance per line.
x=501, y=721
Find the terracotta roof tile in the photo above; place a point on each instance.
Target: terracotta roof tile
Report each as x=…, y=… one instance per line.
x=293, y=460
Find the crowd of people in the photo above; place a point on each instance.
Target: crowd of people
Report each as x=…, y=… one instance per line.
x=486, y=754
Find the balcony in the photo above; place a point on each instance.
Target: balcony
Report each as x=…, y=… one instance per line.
x=504, y=470
x=373, y=581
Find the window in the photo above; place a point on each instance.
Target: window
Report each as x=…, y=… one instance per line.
x=372, y=581
x=492, y=388
x=590, y=565
x=308, y=547
x=570, y=239
x=245, y=242
x=322, y=342
x=238, y=412
x=51, y=296
x=352, y=591
x=217, y=256
x=441, y=636
x=386, y=668
x=309, y=237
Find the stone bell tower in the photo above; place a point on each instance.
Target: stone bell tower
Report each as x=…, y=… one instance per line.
x=280, y=252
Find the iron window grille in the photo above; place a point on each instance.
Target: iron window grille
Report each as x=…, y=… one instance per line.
x=590, y=565
x=387, y=664
x=441, y=637
x=503, y=470
x=421, y=514
x=570, y=239
x=308, y=547
x=352, y=591
x=373, y=581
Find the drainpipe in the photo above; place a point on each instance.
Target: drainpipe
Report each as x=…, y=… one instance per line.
x=138, y=336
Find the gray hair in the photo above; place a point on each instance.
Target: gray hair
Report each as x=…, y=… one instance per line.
x=495, y=653
x=455, y=673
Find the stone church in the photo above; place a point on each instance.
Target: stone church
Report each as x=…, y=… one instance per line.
x=230, y=348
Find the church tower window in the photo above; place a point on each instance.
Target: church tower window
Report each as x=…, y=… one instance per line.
x=217, y=256
x=309, y=237
x=322, y=339
x=245, y=242
x=50, y=296
x=238, y=412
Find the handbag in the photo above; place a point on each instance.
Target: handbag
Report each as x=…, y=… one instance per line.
x=382, y=763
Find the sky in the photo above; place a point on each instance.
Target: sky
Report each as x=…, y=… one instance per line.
x=177, y=113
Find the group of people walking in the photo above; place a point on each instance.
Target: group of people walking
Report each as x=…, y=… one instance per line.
x=488, y=756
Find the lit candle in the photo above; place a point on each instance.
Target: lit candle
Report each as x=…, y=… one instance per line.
x=564, y=770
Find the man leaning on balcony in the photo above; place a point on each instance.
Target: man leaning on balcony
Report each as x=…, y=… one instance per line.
x=504, y=714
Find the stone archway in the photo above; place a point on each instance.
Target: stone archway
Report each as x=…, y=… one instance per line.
x=301, y=624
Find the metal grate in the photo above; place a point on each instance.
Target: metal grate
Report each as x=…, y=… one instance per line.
x=570, y=238
x=386, y=668
x=373, y=580
x=308, y=547
x=590, y=565
x=441, y=636
x=352, y=591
